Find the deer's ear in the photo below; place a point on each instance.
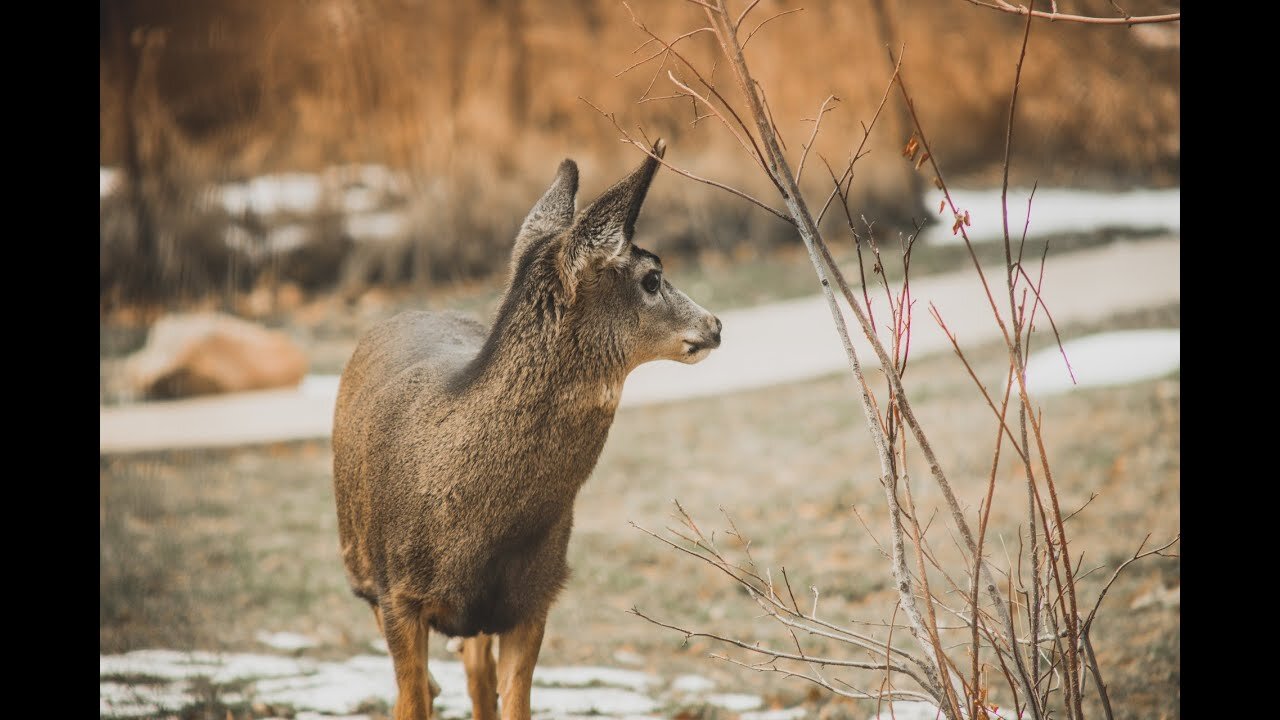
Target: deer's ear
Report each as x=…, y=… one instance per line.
x=553, y=213
x=604, y=230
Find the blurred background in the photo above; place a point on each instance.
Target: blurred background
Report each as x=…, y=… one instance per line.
x=275, y=177
x=339, y=145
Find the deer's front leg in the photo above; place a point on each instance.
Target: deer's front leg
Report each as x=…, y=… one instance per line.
x=406, y=631
x=517, y=655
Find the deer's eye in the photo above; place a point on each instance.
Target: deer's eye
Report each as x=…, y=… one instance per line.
x=652, y=282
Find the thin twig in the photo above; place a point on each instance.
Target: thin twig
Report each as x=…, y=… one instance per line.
x=1137, y=555
x=765, y=22
x=648, y=150
x=738, y=23
x=1127, y=20
x=1097, y=676
x=817, y=124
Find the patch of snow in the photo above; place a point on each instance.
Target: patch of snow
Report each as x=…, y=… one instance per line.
x=322, y=716
x=1114, y=358
x=361, y=199
x=121, y=700
x=334, y=688
x=338, y=688
x=592, y=716
x=737, y=702
x=286, y=238
x=285, y=640
x=584, y=701
x=108, y=180
x=626, y=657
x=378, y=177
x=377, y=226
x=270, y=194
x=175, y=665
x=1054, y=211
x=581, y=676
x=692, y=684
x=794, y=713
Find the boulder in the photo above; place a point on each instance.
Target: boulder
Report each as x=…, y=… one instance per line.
x=208, y=353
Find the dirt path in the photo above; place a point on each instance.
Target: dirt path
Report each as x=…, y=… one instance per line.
x=766, y=345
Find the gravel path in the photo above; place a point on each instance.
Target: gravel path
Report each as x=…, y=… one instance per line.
x=766, y=345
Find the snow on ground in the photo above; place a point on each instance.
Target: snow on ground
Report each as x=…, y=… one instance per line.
x=362, y=193
x=1113, y=358
x=692, y=684
x=150, y=681
x=340, y=687
x=377, y=226
x=285, y=640
x=583, y=675
x=271, y=194
x=736, y=702
x=1055, y=211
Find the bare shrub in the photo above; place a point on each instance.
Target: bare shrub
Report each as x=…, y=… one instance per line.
x=970, y=630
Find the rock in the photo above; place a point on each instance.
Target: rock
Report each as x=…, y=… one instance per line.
x=209, y=353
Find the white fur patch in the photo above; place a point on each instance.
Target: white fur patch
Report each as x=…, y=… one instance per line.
x=619, y=243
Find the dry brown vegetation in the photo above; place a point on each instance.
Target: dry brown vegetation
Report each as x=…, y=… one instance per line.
x=479, y=101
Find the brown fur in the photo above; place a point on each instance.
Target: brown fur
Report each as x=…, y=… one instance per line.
x=459, y=451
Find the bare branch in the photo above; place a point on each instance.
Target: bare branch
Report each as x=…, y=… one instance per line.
x=866, y=133
x=648, y=150
x=716, y=111
x=750, y=6
x=1127, y=20
x=817, y=124
x=1092, y=660
x=776, y=654
x=765, y=22
x=1137, y=555
x=855, y=694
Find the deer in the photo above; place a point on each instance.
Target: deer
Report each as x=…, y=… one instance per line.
x=459, y=450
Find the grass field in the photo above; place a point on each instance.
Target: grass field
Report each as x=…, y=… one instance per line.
x=203, y=550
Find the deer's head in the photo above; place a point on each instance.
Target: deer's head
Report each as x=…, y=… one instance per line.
x=611, y=293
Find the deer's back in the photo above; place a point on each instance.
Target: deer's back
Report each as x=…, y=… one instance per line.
x=399, y=369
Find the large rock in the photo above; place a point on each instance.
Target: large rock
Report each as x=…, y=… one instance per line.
x=208, y=353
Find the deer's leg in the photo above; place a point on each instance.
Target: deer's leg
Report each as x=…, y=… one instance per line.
x=406, y=632
x=482, y=676
x=517, y=654
x=431, y=679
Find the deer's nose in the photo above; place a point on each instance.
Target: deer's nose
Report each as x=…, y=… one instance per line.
x=715, y=336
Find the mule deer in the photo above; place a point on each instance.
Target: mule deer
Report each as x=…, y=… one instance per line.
x=458, y=451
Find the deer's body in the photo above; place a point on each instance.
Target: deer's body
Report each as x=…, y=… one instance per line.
x=459, y=450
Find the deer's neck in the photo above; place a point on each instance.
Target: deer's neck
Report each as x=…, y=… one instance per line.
x=564, y=373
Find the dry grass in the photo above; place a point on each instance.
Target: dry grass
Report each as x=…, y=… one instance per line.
x=479, y=101
x=203, y=550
